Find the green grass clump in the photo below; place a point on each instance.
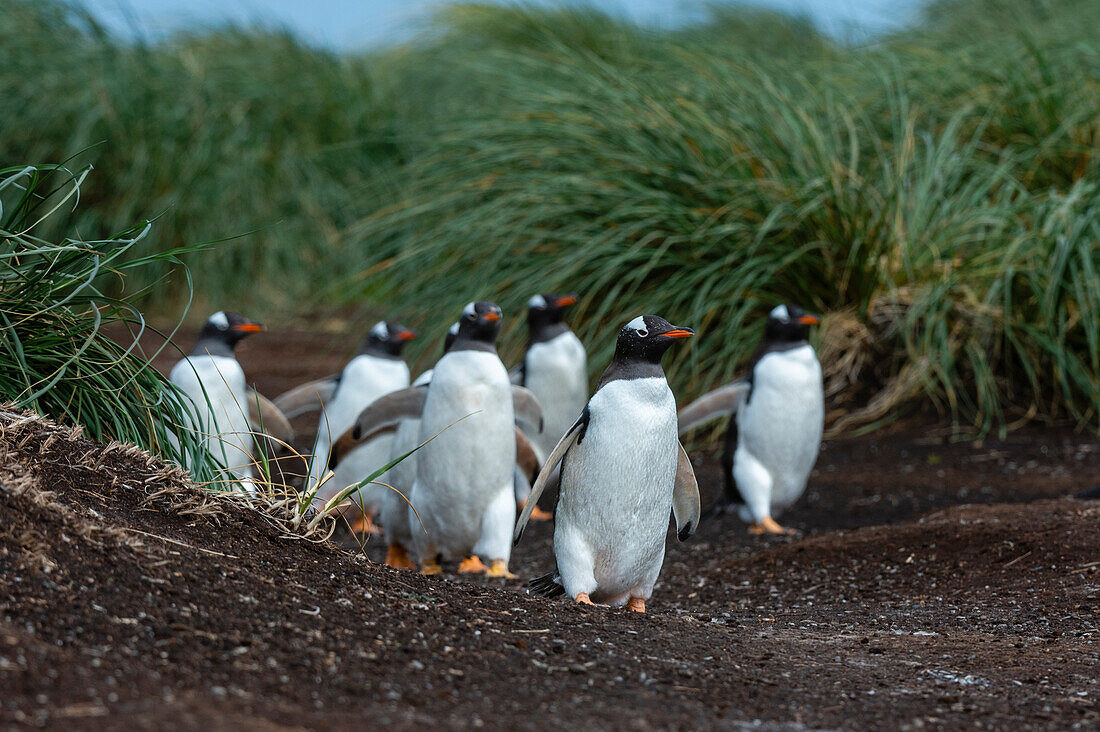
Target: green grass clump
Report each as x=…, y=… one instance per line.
x=933, y=191
x=927, y=191
x=55, y=357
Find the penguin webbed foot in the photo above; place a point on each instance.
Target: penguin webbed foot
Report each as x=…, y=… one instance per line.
x=398, y=557
x=582, y=598
x=472, y=565
x=636, y=604
x=768, y=525
x=499, y=568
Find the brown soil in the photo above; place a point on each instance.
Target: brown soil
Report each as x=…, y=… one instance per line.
x=938, y=585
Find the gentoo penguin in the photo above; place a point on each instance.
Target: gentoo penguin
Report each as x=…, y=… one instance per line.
x=775, y=429
x=376, y=370
x=622, y=471
x=463, y=490
x=555, y=369
x=213, y=379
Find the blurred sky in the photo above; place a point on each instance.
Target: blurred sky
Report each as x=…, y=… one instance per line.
x=355, y=24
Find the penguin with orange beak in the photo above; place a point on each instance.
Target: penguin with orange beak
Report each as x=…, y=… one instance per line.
x=214, y=381
x=555, y=370
x=776, y=415
x=378, y=369
x=623, y=471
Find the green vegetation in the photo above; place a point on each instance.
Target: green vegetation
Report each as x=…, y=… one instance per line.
x=55, y=356
x=934, y=193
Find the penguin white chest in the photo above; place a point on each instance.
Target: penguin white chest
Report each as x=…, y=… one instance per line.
x=781, y=424
x=616, y=492
x=464, y=471
x=363, y=380
x=556, y=372
x=216, y=385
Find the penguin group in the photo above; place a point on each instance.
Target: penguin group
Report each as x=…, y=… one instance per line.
x=469, y=448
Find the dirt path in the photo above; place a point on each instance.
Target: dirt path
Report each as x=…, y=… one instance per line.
x=898, y=609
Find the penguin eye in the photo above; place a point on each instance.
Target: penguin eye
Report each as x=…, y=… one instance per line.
x=642, y=332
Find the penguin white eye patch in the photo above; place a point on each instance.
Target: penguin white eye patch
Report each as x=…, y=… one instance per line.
x=638, y=326
x=220, y=320
x=780, y=312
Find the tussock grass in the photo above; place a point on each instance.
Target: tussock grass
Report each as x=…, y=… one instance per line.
x=54, y=355
x=934, y=192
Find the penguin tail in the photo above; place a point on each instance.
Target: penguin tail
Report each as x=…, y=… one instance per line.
x=1090, y=494
x=548, y=585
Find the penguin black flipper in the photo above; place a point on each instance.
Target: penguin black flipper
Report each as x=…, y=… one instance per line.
x=383, y=415
x=527, y=407
x=686, y=507
x=713, y=405
x=268, y=419
x=574, y=435
x=308, y=397
x=548, y=585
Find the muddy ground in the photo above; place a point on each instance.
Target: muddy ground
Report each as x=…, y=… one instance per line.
x=936, y=585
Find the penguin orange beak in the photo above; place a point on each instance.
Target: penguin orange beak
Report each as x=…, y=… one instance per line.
x=809, y=320
x=249, y=328
x=406, y=335
x=491, y=316
x=679, y=333
x=565, y=301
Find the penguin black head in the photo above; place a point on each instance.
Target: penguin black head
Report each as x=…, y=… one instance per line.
x=646, y=338
x=788, y=324
x=545, y=315
x=387, y=338
x=223, y=331
x=478, y=327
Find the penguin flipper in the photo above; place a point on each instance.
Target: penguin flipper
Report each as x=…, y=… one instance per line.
x=686, y=508
x=384, y=414
x=528, y=409
x=268, y=419
x=575, y=432
x=714, y=404
x=526, y=457
x=308, y=397
x=548, y=585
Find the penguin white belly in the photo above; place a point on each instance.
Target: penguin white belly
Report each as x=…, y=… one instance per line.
x=394, y=510
x=779, y=431
x=556, y=372
x=616, y=493
x=463, y=489
x=216, y=385
x=363, y=380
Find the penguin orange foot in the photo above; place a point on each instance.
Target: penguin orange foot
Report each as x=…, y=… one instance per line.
x=768, y=525
x=537, y=514
x=365, y=525
x=471, y=565
x=636, y=604
x=398, y=557
x=499, y=568
x=430, y=567
x=584, y=599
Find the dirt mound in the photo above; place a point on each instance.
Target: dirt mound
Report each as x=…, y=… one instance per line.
x=134, y=600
